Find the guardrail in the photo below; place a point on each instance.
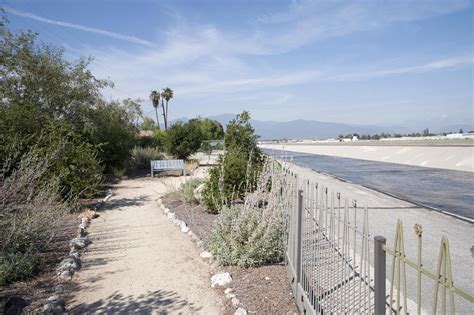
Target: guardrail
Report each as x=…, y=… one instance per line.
x=335, y=266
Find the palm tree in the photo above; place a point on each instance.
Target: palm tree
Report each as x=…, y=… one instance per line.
x=155, y=99
x=167, y=94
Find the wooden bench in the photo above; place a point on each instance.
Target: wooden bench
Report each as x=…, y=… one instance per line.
x=167, y=165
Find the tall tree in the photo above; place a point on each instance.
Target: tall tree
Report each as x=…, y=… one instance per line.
x=167, y=94
x=155, y=99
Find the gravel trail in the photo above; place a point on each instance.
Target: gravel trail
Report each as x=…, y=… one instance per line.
x=139, y=262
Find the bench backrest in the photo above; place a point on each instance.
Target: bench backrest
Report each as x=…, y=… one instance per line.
x=167, y=164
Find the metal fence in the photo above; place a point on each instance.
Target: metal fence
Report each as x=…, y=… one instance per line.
x=335, y=266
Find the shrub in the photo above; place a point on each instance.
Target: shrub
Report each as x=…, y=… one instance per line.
x=72, y=161
x=141, y=157
x=183, y=140
x=239, y=166
x=31, y=212
x=252, y=234
x=228, y=182
x=17, y=266
x=187, y=190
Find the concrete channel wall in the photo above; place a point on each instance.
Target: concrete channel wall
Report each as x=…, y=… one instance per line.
x=459, y=158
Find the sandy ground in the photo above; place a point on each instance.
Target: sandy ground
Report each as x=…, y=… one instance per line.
x=384, y=211
x=139, y=262
x=459, y=158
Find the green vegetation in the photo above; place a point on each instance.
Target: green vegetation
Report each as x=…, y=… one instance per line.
x=239, y=166
x=50, y=104
x=141, y=157
x=31, y=212
x=251, y=234
x=210, y=129
x=58, y=136
x=183, y=139
x=187, y=190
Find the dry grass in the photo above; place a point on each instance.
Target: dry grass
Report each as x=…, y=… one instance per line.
x=31, y=211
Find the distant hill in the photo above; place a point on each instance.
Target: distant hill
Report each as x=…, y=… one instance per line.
x=312, y=129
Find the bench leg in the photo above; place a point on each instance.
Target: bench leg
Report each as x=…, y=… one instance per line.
x=151, y=172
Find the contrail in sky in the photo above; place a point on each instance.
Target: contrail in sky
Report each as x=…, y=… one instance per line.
x=130, y=39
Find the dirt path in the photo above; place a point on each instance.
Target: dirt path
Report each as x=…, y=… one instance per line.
x=139, y=262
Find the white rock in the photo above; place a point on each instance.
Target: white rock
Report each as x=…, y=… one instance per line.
x=85, y=221
x=240, y=311
x=47, y=308
x=107, y=197
x=160, y=201
x=267, y=278
x=166, y=210
x=191, y=234
x=177, y=222
x=200, y=244
x=235, y=301
x=220, y=279
x=171, y=215
x=79, y=242
x=230, y=295
x=65, y=275
x=228, y=290
x=69, y=263
x=185, y=229
x=205, y=255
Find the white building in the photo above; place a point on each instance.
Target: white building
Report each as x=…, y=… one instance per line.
x=458, y=136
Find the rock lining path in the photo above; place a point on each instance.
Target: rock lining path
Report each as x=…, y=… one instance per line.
x=139, y=262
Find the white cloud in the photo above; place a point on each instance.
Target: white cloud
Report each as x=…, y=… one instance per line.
x=127, y=38
x=307, y=21
x=431, y=66
x=202, y=62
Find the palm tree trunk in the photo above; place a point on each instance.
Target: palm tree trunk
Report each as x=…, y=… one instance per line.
x=157, y=120
x=165, y=119
x=167, y=112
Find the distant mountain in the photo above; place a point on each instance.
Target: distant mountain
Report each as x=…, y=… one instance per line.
x=311, y=129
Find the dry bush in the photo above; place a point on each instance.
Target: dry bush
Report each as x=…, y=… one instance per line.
x=252, y=234
x=141, y=157
x=30, y=212
x=186, y=191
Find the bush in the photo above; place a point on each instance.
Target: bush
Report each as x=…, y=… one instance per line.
x=230, y=181
x=31, y=211
x=252, y=234
x=48, y=102
x=183, y=140
x=72, y=161
x=187, y=190
x=17, y=266
x=141, y=157
x=239, y=166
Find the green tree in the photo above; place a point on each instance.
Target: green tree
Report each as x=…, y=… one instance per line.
x=211, y=129
x=39, y=89
x=183, y=140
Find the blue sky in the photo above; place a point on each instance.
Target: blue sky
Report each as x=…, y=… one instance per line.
x=363, y=62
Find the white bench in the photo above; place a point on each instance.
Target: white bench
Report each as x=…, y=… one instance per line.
x=167, y=165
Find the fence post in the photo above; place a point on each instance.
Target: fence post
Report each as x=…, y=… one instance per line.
x=379, y=275
x=299, y=236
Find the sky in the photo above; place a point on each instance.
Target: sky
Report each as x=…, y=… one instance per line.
x=361, y=62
